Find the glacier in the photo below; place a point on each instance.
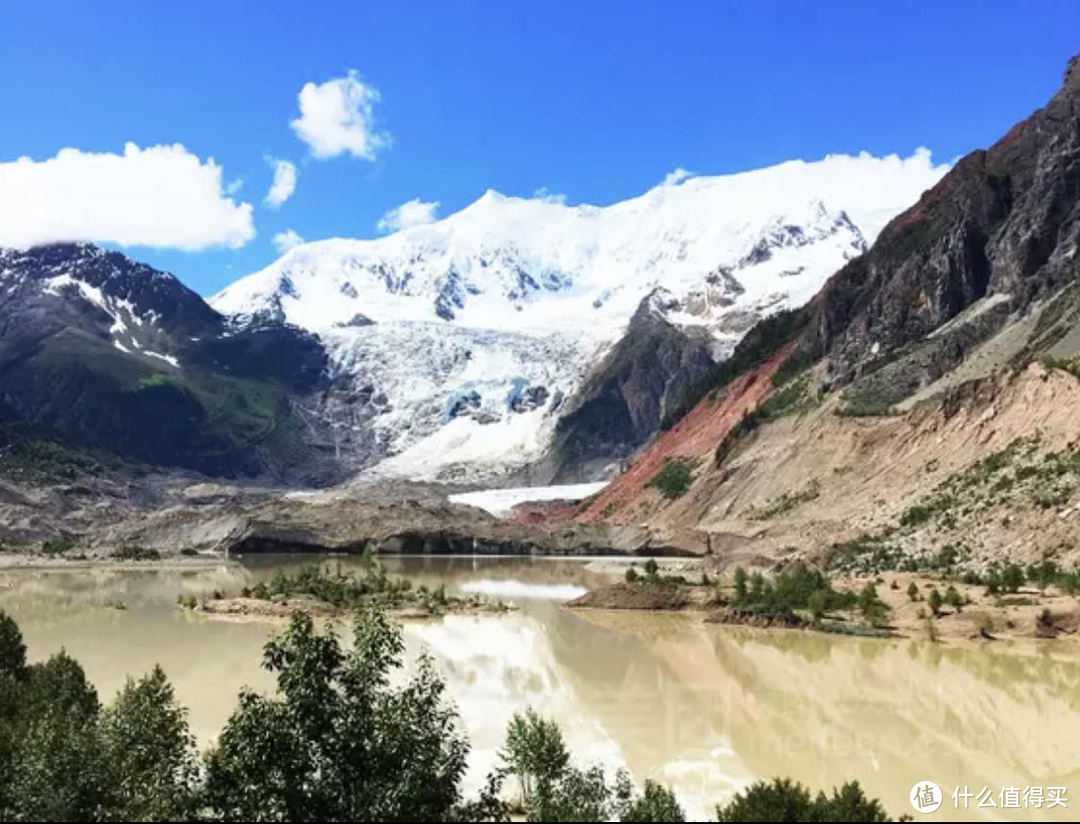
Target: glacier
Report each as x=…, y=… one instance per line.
x=457, y=342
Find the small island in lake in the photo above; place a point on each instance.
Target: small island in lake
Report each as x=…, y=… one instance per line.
x=328, y=590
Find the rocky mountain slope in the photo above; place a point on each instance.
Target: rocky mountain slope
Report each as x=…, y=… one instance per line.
x=468, y=348
x=100, y=352
x=920, y=410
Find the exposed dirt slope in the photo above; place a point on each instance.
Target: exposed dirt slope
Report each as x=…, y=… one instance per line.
x=990, y=468
x=694, y=438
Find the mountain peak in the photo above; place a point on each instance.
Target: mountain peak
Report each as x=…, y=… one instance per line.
x=532, y=263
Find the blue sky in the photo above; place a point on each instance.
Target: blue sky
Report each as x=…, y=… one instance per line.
x=596, y=101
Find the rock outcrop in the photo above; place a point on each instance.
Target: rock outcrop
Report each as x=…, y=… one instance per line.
x=646, y=375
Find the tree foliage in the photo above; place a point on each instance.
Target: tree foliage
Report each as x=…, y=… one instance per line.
x=149, y=752
x=554, y=789
x=339, y=742
x=534, y=751
x=783, y=800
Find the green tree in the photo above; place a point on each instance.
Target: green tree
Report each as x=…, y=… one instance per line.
x=575, y=795
x=849, y=803
x=1012, y=578
x=870, y=605
x=656, y=803
x=12, y=648
x=339, y=742
x=934, y=601
x=954, y=599
x=12, y=676
x=913, y=591
x=783, y=800
x=534, y=751
x=1043, y=574
x=57, y=771
x=759, y=587
x=150, y=752
x=555, y=790
x=740, y=583
x=779, y=800
x=817, y=604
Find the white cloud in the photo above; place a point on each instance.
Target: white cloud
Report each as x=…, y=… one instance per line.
x=284, y=241
x=676, y=177
x=162, y=196
x=338, y=117
x=415, y=212
x=284, y=182
x=548, y=197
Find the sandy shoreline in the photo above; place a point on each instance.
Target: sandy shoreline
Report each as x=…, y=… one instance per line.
x=19, y=560
x=1000, y=619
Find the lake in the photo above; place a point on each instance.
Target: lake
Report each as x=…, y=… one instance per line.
x=701, y=707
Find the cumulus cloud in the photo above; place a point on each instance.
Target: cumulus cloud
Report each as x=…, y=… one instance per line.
x=676, y=177
x=161, y=196
x=415, y=212
x=284, y=182
x=338, y=117
x=284, y=241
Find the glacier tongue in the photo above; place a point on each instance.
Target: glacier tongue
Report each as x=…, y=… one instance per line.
x=448, y=401
x=455, y=343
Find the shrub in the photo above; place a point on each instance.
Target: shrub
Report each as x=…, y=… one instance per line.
x=790, y=590
x=57, y=547
x=136, y=553
x=786, y=502
x=916, y=514
x=674, y=478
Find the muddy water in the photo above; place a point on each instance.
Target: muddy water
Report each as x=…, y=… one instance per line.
x=703, y=708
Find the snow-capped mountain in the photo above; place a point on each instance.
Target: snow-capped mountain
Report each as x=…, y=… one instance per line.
x=457, y=342
x=137, y=308
x=98, y=350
